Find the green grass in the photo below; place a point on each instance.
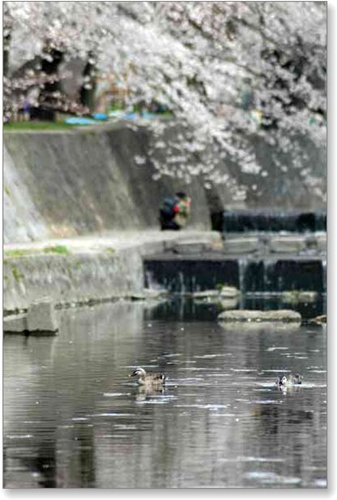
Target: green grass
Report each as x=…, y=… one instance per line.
x=59, y=249
x=36, y=125
x=18, y=253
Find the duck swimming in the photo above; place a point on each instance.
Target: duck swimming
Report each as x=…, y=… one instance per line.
x=149, y=380
x=289, y=380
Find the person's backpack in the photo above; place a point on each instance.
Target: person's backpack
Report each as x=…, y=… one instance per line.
x=167, y=211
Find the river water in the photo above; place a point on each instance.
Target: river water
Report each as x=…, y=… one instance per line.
x=73, y=418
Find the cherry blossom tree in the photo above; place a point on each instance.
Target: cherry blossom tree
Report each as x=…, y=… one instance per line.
x=227, y=71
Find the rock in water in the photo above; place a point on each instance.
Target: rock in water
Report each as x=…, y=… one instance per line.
x=283, y=315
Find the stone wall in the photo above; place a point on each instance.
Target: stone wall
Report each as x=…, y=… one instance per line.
x=66, y=279
x=88, y=270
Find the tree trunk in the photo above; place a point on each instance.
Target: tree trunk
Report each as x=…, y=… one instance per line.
x=48, y=101
x=6, y=44
x=88, y=89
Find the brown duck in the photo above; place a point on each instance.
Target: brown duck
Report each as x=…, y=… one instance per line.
x=149, y=380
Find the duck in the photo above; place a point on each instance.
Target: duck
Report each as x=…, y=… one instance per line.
x=289, y=380
x=149, y=380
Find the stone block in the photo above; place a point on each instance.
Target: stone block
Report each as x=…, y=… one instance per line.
x=287, y=244
x=241, y=245
x=41, y=316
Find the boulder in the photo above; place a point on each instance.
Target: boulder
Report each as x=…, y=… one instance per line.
x=284, y=316
x=319, y=320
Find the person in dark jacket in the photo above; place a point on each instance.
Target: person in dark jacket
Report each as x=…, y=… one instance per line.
x=175, y=211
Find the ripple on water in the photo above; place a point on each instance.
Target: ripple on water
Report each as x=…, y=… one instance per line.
x=125, y=427
x=279, y=370
x=321, y=483
x=197, y=368
x=252, y=459
x=153, y=401
x=243, y=370
x=267, y=477
x=266, y=402
x=112, y=414
x=214, y=407
x=211, y=356
x=116, y=394
x=186, y=381
x=19, y=436
x=266, y=385
x=132, y=367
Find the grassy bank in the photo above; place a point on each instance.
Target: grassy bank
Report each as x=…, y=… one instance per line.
x=36, y=125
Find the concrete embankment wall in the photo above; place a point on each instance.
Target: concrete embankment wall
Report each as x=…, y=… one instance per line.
x=89, y=269
x=66, y=184
x=76, y=183
x=77, y=278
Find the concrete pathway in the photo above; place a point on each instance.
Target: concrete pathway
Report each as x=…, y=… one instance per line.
x=119, y=240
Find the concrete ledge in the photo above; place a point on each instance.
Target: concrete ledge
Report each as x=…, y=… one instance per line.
x=39, y=320
x=284, y=316
x=190, y=247
x=90, y=269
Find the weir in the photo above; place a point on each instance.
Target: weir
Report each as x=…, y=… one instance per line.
x=204, y=272
x=286, y=258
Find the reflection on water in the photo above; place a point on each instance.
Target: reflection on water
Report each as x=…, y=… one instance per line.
x=185, y=308
x=72, y=418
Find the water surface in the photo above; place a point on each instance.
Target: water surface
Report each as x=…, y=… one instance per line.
x=73, y=418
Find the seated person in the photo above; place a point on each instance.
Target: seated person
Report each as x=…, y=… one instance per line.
x=175, y=211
